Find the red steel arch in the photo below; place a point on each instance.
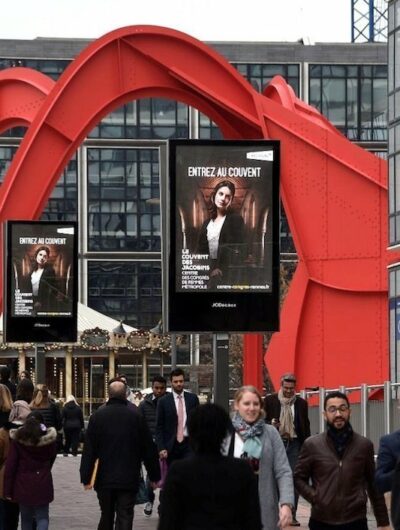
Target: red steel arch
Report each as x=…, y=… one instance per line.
x=334, y=319
x=22, y=93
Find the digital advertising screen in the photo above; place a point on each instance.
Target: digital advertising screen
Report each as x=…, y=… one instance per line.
x=40, y=281
x=223, y=232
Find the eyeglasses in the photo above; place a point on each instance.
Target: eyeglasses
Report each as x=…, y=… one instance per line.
x=341, y=408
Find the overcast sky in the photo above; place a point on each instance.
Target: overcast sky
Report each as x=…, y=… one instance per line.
x=217, y=20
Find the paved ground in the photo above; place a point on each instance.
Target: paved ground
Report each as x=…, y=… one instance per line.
x=76, y=509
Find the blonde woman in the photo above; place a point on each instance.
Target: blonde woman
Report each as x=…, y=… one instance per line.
x=72, y=421
x=261, y=446
x=5, y=404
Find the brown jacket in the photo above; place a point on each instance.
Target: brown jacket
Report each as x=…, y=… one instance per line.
x=338, y=487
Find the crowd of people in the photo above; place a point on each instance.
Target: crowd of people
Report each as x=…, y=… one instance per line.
x=238, y=471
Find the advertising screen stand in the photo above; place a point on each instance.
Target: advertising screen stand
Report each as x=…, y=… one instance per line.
x=40, y=364
x=221, y=369
x=173, y=351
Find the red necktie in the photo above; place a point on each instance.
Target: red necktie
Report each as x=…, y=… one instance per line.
x=179, y=432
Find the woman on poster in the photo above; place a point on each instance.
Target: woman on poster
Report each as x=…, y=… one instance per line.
x=42, y=282
x=222, y=236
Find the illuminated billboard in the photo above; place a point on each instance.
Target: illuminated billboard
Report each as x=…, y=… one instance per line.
x=40, y=281
x=222, y=263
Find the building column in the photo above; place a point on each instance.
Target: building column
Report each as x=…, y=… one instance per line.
x=111, y=364
x=21, y=360
x=144, y=369
x=68, y=371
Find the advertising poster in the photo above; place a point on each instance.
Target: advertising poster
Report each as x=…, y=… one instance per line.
x=224, y=206
x=40, y=281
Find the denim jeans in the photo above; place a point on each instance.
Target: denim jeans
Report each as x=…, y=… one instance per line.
x=40, y=513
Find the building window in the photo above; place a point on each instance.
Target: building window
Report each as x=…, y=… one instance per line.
x=145, y=118
x=123, y=200
x=63, y=202
x=394, y=322
x=353, y=98
x=259, y=75
x=126, y=290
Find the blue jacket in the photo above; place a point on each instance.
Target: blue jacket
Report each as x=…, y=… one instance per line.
x=388, y=454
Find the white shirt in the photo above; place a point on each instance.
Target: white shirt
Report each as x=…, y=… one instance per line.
x=214, y=228
x=176, y=399
x=35, y=280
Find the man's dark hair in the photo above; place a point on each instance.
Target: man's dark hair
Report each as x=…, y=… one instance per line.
x=175, y=373
x=208, y=426
x=117, y=389
x=336, y=394
x=159, y=379
x=5, y=373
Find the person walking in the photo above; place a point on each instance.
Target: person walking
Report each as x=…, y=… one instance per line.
x=41, y=402
x=25, y=390
x=5, y=404
x=340, y=465
x=9, y=511
x=172, y=413
x=5, y=374
x=260, y=445
x=73, y=424
x=119, y=439
x=387, y=475
x=209, y=490
x=148, y=409
x=28, y=479
x=289, y=414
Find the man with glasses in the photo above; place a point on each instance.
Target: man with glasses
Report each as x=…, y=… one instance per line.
x=289, y=414
x=340, y=465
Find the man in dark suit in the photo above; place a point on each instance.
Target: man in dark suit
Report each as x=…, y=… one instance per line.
x=172, y=413
x=118, y=436
x=289, y=414
x=387, y=476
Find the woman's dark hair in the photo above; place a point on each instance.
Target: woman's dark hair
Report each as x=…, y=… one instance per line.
x=212, y=208
x=208, y=425
x=25, y=390
x=46, y=249
x=31, y=431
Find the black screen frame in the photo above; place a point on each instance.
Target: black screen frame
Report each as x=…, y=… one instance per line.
x=46, y=328
x=218, y=312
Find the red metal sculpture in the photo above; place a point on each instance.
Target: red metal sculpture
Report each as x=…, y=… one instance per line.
x=334, y=319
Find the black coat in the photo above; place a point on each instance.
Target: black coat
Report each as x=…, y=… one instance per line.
x=167, y=419
x=210, y=492
x=148, y=409
x=395, y=503
x=118, y=436
x=272, y=407
x=231, y=247
x=51, y=415
x=72, y=416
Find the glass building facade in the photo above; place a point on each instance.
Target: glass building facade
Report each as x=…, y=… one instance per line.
x=394, y=182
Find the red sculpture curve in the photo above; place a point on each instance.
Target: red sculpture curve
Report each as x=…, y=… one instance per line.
x=22, y=93
x=334, y=193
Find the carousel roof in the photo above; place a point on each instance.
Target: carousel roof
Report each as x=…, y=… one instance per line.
x=89, y=318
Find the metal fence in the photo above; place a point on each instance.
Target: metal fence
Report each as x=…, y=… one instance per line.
x=374, y=413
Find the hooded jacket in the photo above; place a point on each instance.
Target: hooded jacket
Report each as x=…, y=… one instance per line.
x=28, y=477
